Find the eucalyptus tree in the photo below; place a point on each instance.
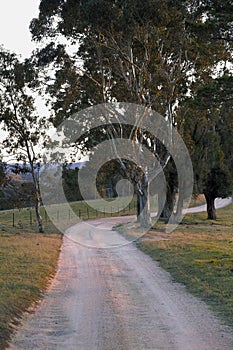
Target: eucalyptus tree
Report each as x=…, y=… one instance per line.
x=18, y=114
x=146, y=53
x=129, y=52
x=205, y=120
x=209, y=137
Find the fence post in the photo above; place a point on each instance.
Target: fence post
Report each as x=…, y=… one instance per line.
x=13, y=219
x=46, y=215
x=30, y=217
x=58, y=215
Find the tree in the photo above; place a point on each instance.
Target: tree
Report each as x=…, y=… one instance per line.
x=217, y=24
x=146, y=63
x=23, y=125
x=70, y=184
x=209, y=135
x=147, y=53
x=218, y=183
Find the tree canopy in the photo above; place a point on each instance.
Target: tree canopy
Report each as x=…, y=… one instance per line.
x=154, y=53
x=172, y=57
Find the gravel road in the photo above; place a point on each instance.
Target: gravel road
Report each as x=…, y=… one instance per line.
x=116, y=299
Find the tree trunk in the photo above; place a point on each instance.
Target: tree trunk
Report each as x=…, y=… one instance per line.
x=38, y=216
x=179, y=208
x=169, y=205
x=37, y=199
x=211, y=211
x=161, y=192
x=143, y=203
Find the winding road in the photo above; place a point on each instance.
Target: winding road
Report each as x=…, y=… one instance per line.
x=116, y=299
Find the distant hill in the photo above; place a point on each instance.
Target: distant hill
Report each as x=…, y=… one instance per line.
x=26, y=175
x=20, y=187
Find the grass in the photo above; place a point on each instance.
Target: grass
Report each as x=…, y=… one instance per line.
x=199, y=253
x=27, y=262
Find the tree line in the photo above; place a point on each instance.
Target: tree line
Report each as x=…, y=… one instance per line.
x=173, y=57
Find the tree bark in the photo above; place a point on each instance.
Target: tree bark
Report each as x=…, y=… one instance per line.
x=169, y=205
x=37, y=199
x=38, y=216
x=179, y=208
x=211, y=211
x=143, y=202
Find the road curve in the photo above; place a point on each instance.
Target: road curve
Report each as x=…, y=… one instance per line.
x=117, y=299
x=219, y=203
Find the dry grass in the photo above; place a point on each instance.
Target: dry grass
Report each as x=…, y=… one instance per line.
x=27, y=262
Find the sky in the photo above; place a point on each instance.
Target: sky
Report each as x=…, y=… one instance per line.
x=15, y=18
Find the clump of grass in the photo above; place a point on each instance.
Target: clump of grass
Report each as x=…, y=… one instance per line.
x=199, y=253
x=27, y=262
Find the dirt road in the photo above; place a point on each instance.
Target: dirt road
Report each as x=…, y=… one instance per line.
x=117, y=299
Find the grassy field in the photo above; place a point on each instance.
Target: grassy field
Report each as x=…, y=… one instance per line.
x=27, y=261
x=199, y=253
x=25, y=218
x=67, y=215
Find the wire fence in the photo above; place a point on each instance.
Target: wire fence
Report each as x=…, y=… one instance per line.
x=26, y=217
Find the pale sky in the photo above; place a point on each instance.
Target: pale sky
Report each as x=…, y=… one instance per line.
x=15, y=17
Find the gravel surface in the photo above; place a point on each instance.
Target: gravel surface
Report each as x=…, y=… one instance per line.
x=116, y=299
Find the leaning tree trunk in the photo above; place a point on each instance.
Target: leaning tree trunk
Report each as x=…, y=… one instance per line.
x=143, y=202
x=211, y=211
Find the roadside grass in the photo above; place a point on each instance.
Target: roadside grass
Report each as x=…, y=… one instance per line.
x=28, y=261
x=199, y=254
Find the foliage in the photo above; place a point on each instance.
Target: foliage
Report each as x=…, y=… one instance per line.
x=70, y=184
x=219, y=183
x=152, y=53
x=17, y=112
x=208, y=131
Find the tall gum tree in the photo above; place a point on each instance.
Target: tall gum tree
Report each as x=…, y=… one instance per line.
x=130, y=51
x=209, y=137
